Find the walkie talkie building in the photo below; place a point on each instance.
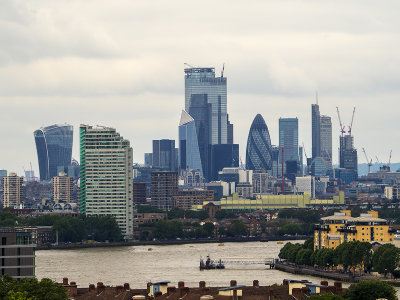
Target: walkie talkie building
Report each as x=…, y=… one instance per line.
x=54, y=149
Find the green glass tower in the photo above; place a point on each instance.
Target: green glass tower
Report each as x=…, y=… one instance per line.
x=106, y=176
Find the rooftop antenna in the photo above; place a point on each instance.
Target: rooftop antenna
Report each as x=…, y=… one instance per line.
x=223, y=68
x=316, y=97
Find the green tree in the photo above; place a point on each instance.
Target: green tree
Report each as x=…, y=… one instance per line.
x=209, y=228
x=237, y=228
x=224, y=214
x=303, y=257
x=326, y=297
x=370, y=290
x=386, y=259
x=283, y=253
x=309, y=243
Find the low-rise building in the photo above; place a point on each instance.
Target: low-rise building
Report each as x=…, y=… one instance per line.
x=143, y=218
x=342, y=227
x=17, y=252
x=185, y=199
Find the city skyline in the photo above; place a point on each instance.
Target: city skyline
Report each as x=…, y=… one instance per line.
x=52, y=70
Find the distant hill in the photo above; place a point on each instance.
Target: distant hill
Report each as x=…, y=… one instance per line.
x=363, y=168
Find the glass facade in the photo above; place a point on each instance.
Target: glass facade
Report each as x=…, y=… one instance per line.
x=54, y=149
x=326, y=139
x=203, y=81
x=315, y=128
x=188, y=146
x=222, y=156
x=164, y=155
x=289, y=137
x=259, y=149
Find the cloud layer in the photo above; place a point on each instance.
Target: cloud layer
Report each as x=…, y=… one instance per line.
x=120, y=63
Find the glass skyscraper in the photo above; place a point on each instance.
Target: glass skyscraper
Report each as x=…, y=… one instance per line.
x=259, y=149
x=106, y=176
x=189, y=153
x=315, y=127
x=200, y=110
x=203, y=81
x=289, y=137
x=54, y=149
x=164, y=155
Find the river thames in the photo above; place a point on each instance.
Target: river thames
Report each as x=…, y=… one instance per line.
x=138, y=265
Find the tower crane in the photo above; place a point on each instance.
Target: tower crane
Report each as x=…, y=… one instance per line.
x=390, y=158
x=342, y=131
x=369, y=161
x=352, y=118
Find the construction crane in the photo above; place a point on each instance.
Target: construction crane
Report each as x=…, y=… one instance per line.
x=305, y=154
x=342, y=131
x=369, y=161
x=352, y=118
x=186, y=64
x=241, y=163
x=390, y=158
x=377, y=160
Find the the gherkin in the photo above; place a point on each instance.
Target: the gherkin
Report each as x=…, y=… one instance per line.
x=259, y=149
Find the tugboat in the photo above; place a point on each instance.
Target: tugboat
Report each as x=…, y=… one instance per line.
x=209, y=264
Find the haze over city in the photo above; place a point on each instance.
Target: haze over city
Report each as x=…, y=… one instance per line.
x=121, y=65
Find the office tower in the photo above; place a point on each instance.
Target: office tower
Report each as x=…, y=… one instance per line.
x=139, y=192
x=164, y=155
x=230, y=132
x=223, y=155
x=148, y=159
x=200, y=110
x=289, y=139
x=301, y=160
x=316, y=137
x=189, y=153
x=348, y=154
x=62, y=188
x=18, y=253
x=203, y=81
x=259, y=149
x=260, y=182
x=326, y=139
x=54, y=149
x=106, y=176
x=164, y=185
x=3, y=173
x=12, y=190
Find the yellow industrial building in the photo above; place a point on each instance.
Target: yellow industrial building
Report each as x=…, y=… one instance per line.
x=342, y=227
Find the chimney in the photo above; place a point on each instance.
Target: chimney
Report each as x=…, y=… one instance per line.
x=65, y=281
x=285, y=282
x=73, y=289
x=181, y=284
x=296, y=292
x=91, y=287
x=100, y=287
x=202, y=284
x=233, y=283
x=323, y=290
x=235, y=296
x=256, y=283
x=148, y=287
x=271, y=293
x=324, y=282
x=126, y=286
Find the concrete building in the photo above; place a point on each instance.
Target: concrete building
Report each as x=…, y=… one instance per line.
x=186, y=199
x=164, y=185
x=62, y=188
x=144, y=218
x=306, y=184
x=341, y=227
x=348, y=154
x=237, y=175
x=3, y=173
x=17, y=252
x=106, y=176
x=12, y=190
x=326, y=140
x=260, y=182
x=221, y=188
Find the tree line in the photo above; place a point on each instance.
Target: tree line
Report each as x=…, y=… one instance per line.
x=70, y=229
x=351, y=256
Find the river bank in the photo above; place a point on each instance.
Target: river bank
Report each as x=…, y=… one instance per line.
x=171, y=242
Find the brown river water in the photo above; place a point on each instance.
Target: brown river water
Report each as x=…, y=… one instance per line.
x=137, y=265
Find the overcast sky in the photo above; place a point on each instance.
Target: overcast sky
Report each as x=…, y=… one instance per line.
x=120, y=64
